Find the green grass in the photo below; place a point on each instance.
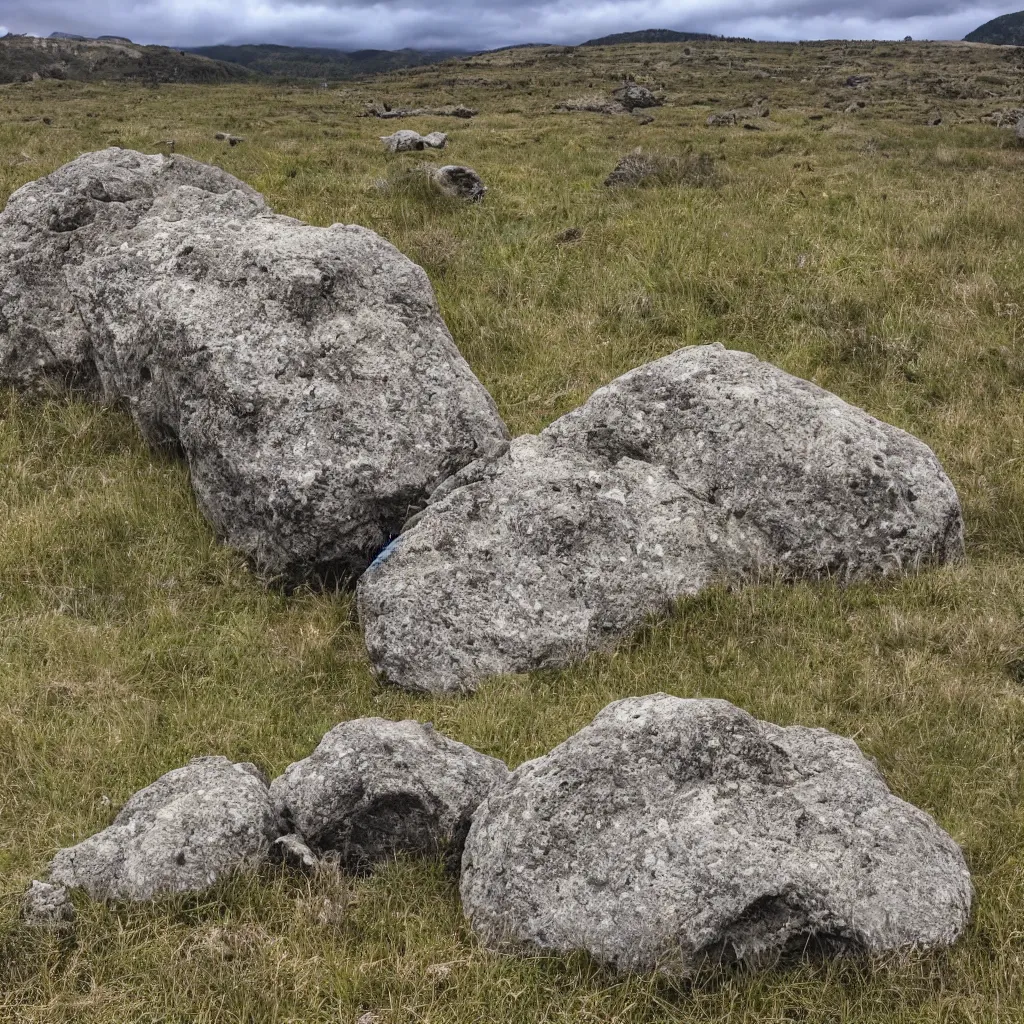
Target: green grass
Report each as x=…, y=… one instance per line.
x=875, y=255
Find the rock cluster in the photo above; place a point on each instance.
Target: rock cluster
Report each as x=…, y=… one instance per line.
x=384, y=111
x=670, y=833
x=707, y=466
x=304, y=373
x=666, y=834
x=407, y=141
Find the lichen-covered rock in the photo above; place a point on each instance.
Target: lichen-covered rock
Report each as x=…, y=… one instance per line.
x=405, y=141
x=304, y=373
x=536, y=559
x=669, y=833
x=705, y=466
x=458, y=182
x=374, y=788
x=47, y=907
x=58, y=222
x=637, y=97
x=191, y=827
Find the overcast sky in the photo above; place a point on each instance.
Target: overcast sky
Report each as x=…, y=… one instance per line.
x=479, y=24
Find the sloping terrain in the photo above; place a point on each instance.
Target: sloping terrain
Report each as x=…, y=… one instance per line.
x=649, y=35
x=846, y=237
x=1006, y=30
x=320, y=63
x=110, y=60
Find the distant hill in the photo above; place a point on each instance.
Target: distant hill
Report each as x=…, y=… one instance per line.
x=1006, y=30
x=650, y=35
x=322, y=63
x=88, y=60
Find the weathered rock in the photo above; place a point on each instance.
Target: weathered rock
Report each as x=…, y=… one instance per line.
x=405, y=140
x=705, y=466
x=304, y=373
x=191, y=827
x=384, y=111
x=634, y=97
x=292, y=851
x=458, y=182
x=671, y=833
x=590, y=105
x=374, y=788
x=1018, y=131
x=59, y=221
x=722, y=120
x=47, y=907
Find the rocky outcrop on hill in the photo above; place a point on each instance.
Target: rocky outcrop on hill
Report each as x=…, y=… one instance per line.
x=304, y=373
x=707, y=466
x=672, y=833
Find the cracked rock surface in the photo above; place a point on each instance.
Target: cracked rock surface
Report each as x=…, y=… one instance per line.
x=374, y=788
x=189, y=828
x=47, y=907
x=671, y=833
x=706, y=466
x=304, y=373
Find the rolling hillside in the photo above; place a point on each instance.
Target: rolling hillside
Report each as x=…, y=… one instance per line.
x=23, y=58
x=322, y=63
x=1006, y=30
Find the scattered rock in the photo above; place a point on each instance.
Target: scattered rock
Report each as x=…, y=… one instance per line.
x=189, y=828
x=48, y=907
x=405, y=141
x=384, y=111
x=633, y=97
x=1005, y=118
x=722, y=120
x=1018, y=132
x=642, y=118
x=591, y=105
x=304, y=373
x=231, y=140
x=705, y=466
x=458, y=182
x=672, y=833
x=857, y=81
x=934, y=118
x=855, y=107
x=292, y=851
x=374, y=788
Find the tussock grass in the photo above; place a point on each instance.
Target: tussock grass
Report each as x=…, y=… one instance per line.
x=875, y=255
x=640, y=168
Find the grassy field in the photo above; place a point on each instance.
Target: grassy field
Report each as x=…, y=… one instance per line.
x=871, y=252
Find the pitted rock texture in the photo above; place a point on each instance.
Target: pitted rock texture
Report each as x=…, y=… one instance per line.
x=406, y=141
x=705, y=466
x=56, y=223
x=47, y=907
x=671, y=833
x=374, y=788
x=304, y=373
x=191, y=827
x=536, y=559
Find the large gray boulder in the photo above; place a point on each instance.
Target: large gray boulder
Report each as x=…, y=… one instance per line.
x=669, y=833
x=304, y=373
x=705, y=466
x=374, y=788
x=191, y=827
x=56, y=223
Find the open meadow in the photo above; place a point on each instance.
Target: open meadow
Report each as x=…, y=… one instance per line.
x=860, y=247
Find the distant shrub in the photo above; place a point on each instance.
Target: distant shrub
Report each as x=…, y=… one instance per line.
x=698, y=170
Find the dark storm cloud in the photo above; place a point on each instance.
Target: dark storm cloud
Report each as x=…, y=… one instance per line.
x=476, y=24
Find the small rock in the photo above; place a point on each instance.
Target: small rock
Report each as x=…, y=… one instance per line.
x=934, y=118
x=405, y=141
x=857, y=81
x=47, y=907
x=590, y=105
x=293, y=852
x=669, y=834
x=458, y=182
x=374, y=788
x=231, y=140
x=191, y=827
x=722, y=120
x=1018, y=132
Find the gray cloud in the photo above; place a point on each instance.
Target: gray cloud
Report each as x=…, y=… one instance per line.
x=476, y=24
